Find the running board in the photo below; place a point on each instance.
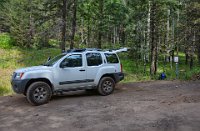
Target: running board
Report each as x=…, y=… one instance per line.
x=60, y=91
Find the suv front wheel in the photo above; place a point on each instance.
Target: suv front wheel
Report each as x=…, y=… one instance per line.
x=106, y=86
x=39, y=93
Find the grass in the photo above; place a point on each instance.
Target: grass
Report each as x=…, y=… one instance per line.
x=14, y=58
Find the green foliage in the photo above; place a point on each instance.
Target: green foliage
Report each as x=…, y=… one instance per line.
x=28, y=23
x=53, y=42
x=6, y=41
x=15, y=14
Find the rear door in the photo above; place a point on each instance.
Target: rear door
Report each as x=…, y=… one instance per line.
x=94, y=63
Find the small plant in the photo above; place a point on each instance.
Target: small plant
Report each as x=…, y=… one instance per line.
x=6, y=41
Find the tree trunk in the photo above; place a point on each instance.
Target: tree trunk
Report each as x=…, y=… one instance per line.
x=82, y=31
x=167, y=38
x=117, y=32
x=64, y=15
x=186, y=47
x=198, y=49
x=173, y=43
x=148, y=31
x=114, y=36
x=186, y=58
x=88, y=29
x=193, y=50
x=88, y=35
x=30, y=36
x=153, y=41
x=123, y=36
x=191, y=62
x=31, y=27
x=73, y=25
x=177, y=24
x=101, y=3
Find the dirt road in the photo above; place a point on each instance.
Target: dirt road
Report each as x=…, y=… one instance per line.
x=147, y=106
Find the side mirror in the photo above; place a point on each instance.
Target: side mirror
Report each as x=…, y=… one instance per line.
x=63, y=64
x=49, y=58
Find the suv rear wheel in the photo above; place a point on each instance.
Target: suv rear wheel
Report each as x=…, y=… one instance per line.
x=39, y=93
x=106, y=86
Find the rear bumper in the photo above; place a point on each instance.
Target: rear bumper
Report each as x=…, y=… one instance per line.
x=19, y=85
x=118, y=77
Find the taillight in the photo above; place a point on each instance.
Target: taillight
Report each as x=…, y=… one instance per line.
x=121, y=67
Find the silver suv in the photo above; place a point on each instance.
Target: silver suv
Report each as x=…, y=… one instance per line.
x=78, y=69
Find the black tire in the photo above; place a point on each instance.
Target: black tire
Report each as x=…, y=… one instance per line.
x=106, y=86
x=38, y=93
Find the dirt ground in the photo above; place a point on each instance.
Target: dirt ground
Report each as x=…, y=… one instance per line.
x=145, y=106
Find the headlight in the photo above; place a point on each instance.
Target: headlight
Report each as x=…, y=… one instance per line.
x=19, y=75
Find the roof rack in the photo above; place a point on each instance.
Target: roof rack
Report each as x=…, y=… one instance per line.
x=82, y=50
x=75, y=50
x=96, y=49
x=93, y=49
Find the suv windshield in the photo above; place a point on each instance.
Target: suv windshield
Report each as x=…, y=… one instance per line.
x=54, y=60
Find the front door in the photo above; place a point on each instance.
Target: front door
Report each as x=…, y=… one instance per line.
x=72, y=73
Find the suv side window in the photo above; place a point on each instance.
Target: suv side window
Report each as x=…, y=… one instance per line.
x=72, y=61
x=94, y=59
x=111, y=58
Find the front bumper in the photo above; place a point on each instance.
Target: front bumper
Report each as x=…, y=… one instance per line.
x=19, y=85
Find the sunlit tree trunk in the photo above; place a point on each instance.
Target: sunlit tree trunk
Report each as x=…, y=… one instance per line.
x=148, y=31
x=88, y=28
x=177, y=43
x=82, y=30
x=167, y=35
x=168, y=25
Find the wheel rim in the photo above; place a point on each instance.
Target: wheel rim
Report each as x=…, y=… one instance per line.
x=40, y=93
x=107, y=86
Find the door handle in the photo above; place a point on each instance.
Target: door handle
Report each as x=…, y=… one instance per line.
x=82, y=70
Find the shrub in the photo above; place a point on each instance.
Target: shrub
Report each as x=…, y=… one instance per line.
x=6, y=41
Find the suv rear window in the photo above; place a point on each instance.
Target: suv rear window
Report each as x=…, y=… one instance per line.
x=111, y=58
